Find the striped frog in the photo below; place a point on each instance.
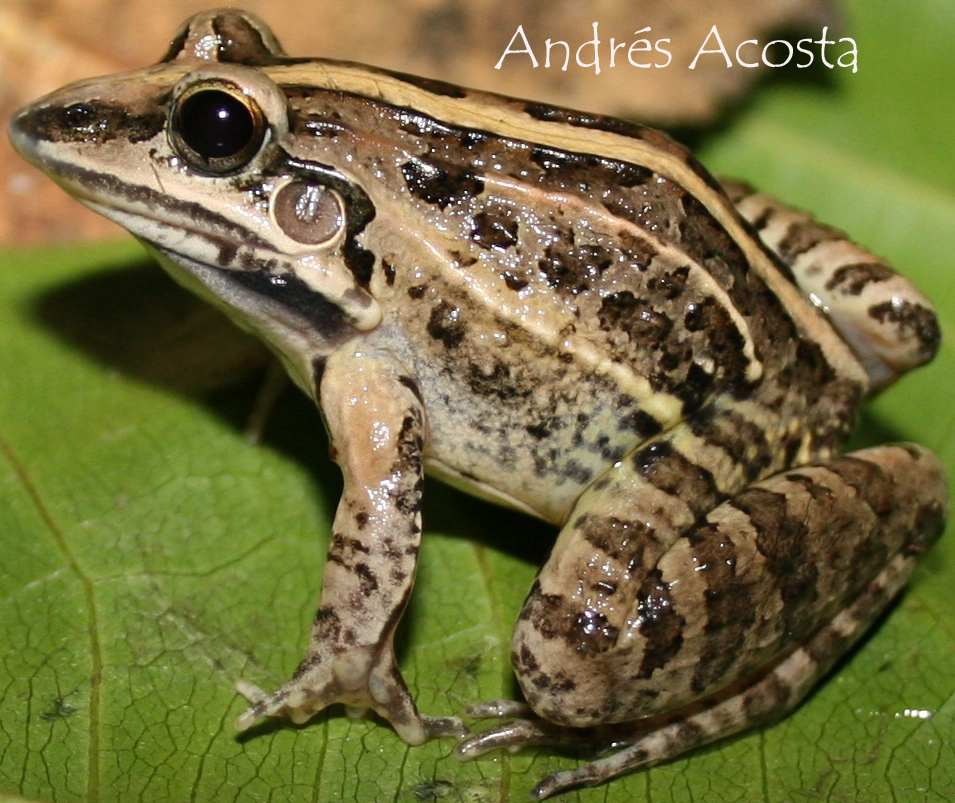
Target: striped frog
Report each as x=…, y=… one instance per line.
x=561, y=312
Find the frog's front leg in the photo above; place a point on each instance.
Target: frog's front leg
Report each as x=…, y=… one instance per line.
x=685, y=631
x=376, y=423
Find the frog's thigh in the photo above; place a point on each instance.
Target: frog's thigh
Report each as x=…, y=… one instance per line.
x=890, y=325
x=616, y=629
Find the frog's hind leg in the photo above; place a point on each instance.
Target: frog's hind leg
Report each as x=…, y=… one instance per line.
x=730, y=626
x=889, y=324
x=761, y=699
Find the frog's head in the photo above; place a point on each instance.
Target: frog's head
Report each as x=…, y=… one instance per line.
x=194, y=157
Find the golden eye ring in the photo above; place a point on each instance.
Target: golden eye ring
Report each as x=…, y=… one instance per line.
x=216, y=128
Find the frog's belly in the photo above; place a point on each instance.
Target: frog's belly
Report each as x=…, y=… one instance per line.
x=536, y=449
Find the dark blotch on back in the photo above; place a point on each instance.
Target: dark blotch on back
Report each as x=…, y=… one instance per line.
x=572, y=269
x=645, y=327
x=513, y=282
x=495, y=228
x=811, y=360
x=580, y=171
x=444, y=324
x=670, y=284
x=726, y=344
x=710, y=243
x=440, y=185
x=389, y=271
x=695, y=389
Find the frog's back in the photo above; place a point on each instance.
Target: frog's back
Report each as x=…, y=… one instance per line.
x=564, y=288
x=514, y=236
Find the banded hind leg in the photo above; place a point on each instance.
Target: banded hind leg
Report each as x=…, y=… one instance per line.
x=889, y=324
x=729, y=626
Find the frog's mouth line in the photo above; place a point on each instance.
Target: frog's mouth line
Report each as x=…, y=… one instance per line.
x=112, y=197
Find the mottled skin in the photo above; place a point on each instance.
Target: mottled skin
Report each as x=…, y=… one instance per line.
x=560, y=312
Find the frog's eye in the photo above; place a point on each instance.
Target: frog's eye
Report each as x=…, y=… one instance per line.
x=216, y=129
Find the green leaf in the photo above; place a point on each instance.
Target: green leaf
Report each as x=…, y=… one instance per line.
x=149, y=556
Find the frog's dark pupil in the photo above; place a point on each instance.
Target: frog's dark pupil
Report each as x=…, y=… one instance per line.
x=215, y=124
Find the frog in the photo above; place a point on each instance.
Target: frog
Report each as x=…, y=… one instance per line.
x=558, y=311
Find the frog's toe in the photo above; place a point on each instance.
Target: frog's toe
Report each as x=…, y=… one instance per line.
x=522, y=729
x=250, y=691
x=592, y=774
x=444, y=726
x=257, y=710
x=511, y=737
x=289, y=702
x=517, y=734
x=497, y=709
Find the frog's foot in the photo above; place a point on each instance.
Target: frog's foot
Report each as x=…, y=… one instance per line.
x=307, y=694
x=748, y=703
x=523, y=729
